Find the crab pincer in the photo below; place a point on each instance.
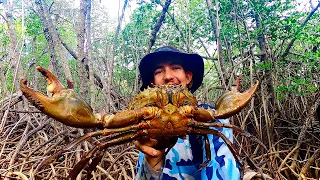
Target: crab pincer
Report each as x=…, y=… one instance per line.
x=70, y=109
x=64, y=105
x=231, y=102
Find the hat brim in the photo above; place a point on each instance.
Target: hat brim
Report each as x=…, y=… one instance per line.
x=190, y=62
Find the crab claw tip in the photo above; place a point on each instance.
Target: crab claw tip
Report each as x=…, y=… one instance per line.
x=256, y=86
x=54, y=84
x=23, y=82
x=44, y=72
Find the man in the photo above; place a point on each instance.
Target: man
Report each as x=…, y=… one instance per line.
x=167, y=65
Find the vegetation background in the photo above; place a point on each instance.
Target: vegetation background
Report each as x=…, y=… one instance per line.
x=275, y=42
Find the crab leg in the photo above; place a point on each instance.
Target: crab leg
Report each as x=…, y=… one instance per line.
x=129, y=117
x=104, y=132
x=231, y=126
x=204, y=131
x=119, y=139
x=208, y=153
x=56, y=155
x=93, y=164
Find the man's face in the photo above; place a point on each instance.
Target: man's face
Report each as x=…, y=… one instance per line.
x=171, y=74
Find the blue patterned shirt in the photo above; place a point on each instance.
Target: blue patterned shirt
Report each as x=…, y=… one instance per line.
x=184, y=159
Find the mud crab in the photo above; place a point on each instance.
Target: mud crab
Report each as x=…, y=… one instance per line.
x=161, y=111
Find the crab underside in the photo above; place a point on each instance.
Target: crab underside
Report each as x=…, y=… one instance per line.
x=162, y=112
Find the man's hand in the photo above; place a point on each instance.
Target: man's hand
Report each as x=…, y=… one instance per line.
x=153, y=156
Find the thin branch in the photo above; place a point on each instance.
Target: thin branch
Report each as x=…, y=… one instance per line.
x=311, y=117
x=176, y=25
x=72, y=53
x=286, y=52
x=158, y=25
x=5, y=19
x=306, y=166
x=114, y=44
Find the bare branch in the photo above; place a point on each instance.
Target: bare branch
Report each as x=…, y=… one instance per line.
x=286, y=52
x=158, y=25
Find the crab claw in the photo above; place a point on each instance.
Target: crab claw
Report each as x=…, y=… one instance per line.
x=233, y=101
x=64, y=105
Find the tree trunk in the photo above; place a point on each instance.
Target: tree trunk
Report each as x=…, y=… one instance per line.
x=263, y=58
x=267, y=87
x=14, y=49
x=57, y=43
x=3, y=91
x=216, y=31
x=137, y=59
x=80, y=49
x=89, y=55
x=34, y=62
x=114, y=44
x=14, y=55
x=48, y=36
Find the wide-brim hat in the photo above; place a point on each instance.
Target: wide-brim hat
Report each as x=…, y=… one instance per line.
x=190, y=62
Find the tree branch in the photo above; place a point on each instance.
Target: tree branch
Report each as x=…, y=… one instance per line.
x=72, y=53
x=286, y=52
x=158, y=25
x=176, y=25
